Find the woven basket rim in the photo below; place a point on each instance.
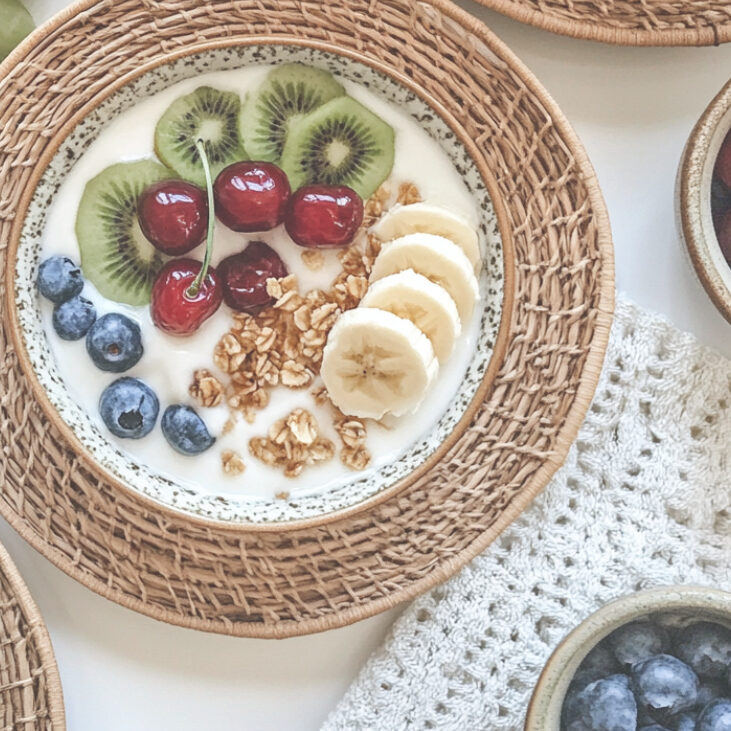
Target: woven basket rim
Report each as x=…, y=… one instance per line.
x=569, y=425
x=600, y=30
x=38, y=635
x=501, y=340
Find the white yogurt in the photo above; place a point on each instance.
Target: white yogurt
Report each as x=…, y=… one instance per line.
x=168, y=362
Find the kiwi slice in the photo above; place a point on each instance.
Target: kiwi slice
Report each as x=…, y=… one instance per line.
x=115, y=255
x=208, y=114
x=289, y=92
x=16, y=25
x=339, y=143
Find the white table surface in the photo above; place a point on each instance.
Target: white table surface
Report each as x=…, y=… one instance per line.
x=633, y=109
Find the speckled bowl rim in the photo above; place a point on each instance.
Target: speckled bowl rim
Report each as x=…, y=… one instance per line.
x=381, y=495
x=690, y=199
x=553, y=682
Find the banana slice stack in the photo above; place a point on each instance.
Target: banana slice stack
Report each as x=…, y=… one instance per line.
x=383, y=356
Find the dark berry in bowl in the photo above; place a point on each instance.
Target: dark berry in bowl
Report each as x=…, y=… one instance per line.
x=324, y=216
x=244, y=277
x=706, y=647
x=185, y=431
x=653, y=727
x=637, y=641
x=129, y=408
x=664, y=686
x=114, y=343
x=709, y=690
x=716, y=716
x=176, y=305
x=173, y=216
x=684, y=722
x=722, y=225
x=604, y=705
x=251, y=196
x=599, y=663
x=59, y=279
x=73, y=318
x=720, y=196
x=722, y=168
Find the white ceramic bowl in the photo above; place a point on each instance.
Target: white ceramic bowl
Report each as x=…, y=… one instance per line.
x=192, y=498
x=693, y=200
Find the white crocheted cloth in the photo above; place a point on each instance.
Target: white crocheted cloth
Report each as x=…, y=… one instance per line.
x=643, y=499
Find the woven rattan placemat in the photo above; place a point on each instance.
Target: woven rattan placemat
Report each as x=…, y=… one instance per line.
x=627, y=22
x=296, y=579
x=30, y=689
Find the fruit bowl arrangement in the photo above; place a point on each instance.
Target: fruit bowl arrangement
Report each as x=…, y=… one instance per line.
x=345, y=543
x=286, y=262
x=659, y=660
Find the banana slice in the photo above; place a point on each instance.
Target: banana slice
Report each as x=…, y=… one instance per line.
x=375, y=362
x=412, y=296
x=430, y=219
x=439, y=260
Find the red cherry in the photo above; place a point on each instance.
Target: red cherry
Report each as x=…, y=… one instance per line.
x=723, y=234
x=324, y=215
x=173, y=215
x=251, y=196
x=173, y=309
x=244, y=277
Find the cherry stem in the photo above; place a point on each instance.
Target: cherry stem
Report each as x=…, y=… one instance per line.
x=194, y=288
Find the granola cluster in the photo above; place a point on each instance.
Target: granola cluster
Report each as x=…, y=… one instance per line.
x=352, y=433
x=206, y=389
x=232, y=463
x=283, y=346
x=292, y=443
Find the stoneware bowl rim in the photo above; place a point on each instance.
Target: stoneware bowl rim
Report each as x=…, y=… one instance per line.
x=693, y=198
x=386, y=492
x=545, y=704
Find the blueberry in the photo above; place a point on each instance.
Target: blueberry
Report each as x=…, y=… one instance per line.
x=683, y=722
x=652, y=727
x=637, y=641
x=185, y=430
x=664, y=686
x=568, y=709
x=114, y=343
x=706, y=647
x=129, y=408
x=59, y=279
x=710, y=690
x=599, y=663
x=604, y=705
x=73, y=318
x=716, y=716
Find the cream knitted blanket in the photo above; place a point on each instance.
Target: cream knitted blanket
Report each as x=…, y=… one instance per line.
x=643, y=499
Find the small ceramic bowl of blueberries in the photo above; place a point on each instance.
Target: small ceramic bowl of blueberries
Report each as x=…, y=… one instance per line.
x=704, y=200
x=658, y=660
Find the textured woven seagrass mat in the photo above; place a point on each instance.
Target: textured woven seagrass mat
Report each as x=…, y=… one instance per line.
x=311, y=577
x=30, y=689
x=627, y=22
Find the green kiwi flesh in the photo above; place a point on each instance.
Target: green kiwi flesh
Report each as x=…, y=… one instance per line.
x=339, y=143
x=289, y=92
x=16, y=25
x=208, y=114
x=115, y=255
